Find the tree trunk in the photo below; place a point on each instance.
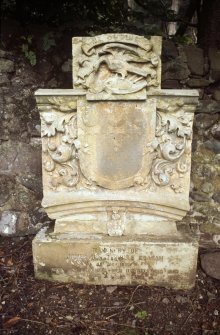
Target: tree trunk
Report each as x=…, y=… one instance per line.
x=194, y=5
x=209, y=25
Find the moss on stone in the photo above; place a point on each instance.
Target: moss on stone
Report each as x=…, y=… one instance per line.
x=210, y=228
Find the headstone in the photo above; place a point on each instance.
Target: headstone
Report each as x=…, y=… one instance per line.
x=116, y=155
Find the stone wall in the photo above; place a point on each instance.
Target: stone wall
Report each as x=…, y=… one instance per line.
x=187, y=66
x=20, y=148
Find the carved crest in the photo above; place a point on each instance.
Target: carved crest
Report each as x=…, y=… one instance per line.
x=105, y=64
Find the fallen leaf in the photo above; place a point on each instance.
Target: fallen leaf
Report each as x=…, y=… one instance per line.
x=1, y=253
x=9, y=262
x=11, y=322
x=69, y=317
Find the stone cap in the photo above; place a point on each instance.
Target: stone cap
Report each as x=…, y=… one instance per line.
x=81, y=92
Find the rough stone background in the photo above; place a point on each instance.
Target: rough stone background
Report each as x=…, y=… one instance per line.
x=20, y=145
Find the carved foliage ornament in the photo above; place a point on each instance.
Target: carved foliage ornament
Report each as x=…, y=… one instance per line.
x=60, y=144
x=116, y=68
x=171, y=145
x=170, y=148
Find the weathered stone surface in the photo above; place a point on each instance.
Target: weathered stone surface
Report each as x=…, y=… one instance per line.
x=52, y=83
x=4, y=79
x=174, y=84
x=67, y=66
x=135, y=66
x=198, y=82
x=8, y=220
x=182, y=53
x=214, y=58
x=7, y=187
x=216, y=197
x=104, y=260
x=205, y=121
x=118, y=175
x=44, y=68
x=195, y=60
x=39, y=218
x=169, y=50
x=36, y=142
x=19, y=158
x=211, y=264
x=26, y=79
x=18, y=223
x=91, y=175
x=175, y=70
x=6, y=66
x=34, y=128
x=8, y=153
x=199, y=196
x=213, y=145
x=207, y=187
x=216, y=94
x=208, y=106
x=112, y=147
x=33, y=183
x=216, y=131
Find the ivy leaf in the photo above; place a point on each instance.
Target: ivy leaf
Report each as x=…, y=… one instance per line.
x=48, y=41
x=32, y=58
x=24, y=48
x=141, y=315
x=29, y=39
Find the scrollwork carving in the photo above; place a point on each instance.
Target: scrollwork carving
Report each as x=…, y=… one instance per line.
x=59, y=134
x=173, y=134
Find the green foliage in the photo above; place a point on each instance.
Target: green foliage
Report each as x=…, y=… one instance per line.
x=143, y=17
x=26, y=49
x=185, y=40
x=8, y=5
x=159, y=9
x=141, y=315
x=49, y=41
x=99, y=11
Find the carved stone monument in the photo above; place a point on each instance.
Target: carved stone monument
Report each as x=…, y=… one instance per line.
x=116, y=169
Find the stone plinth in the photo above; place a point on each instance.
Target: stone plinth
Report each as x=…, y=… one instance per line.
x=103, y=260
x=116, y=155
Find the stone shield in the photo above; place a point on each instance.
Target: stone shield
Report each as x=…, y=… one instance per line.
x=114, y=144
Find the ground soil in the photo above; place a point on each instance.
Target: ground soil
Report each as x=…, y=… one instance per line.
x=29, y=306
